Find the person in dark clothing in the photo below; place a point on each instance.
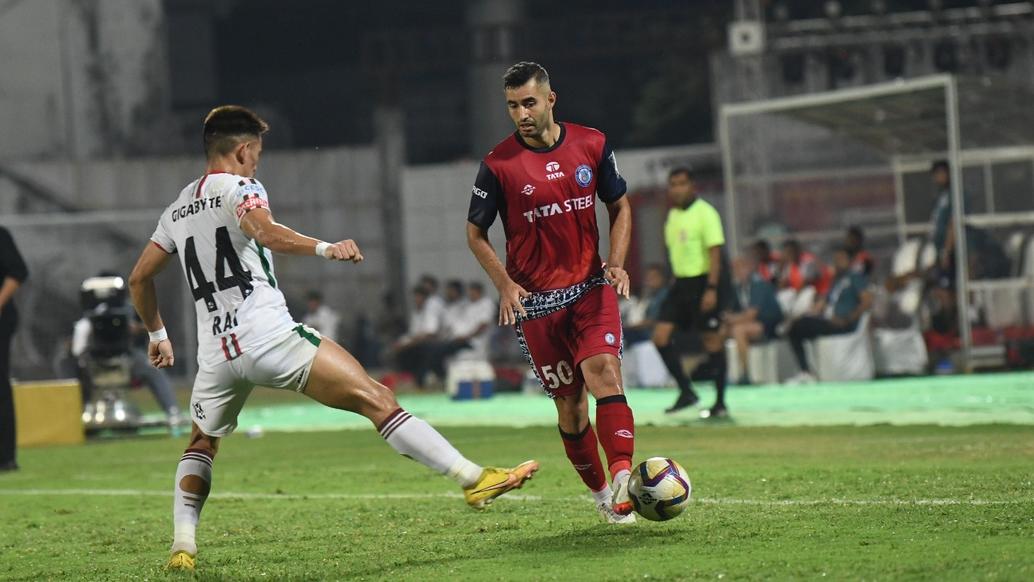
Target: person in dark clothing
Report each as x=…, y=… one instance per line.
x=13, y=273
x=837, y=313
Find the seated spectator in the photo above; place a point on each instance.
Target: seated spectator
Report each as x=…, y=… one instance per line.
x=798, y=268
x=435, y=303
x=640, y=312
x=453, y=308
x=412, y=350
x=320, y=317
x=861, y=261
x=472, y=332
x=756, y=311
x=767, y=261
x=838, y=312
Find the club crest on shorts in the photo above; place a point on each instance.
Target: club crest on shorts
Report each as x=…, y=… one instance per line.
x=609, y=338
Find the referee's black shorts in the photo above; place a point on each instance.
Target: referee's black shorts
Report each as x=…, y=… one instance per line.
x=682, y=305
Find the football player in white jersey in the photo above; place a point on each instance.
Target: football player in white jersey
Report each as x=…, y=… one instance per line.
x=222, y=228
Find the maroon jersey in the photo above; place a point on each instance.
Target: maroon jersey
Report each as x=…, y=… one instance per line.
x=546, y=198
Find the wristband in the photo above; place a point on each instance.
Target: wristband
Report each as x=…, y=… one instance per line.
x=321, y=249
x=158, y=335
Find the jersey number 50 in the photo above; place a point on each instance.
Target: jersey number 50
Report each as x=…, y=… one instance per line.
x=563, y=375
x=225, y=256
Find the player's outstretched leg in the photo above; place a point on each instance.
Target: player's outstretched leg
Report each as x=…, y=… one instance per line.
x=614, y=423
x=339, y=381
x=193, y=484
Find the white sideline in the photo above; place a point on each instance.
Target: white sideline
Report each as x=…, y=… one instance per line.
x=515, y=497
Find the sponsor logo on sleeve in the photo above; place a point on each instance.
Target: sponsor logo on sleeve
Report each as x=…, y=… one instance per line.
x=479, y=193
x=250, y=202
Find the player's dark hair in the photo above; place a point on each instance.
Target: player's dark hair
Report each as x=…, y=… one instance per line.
x=421, y=290
x=228, y=125
x=314, y=296
x=679, y=171
x=456, y=285
x=939, y=165
x=762, y=246
x=522, y=72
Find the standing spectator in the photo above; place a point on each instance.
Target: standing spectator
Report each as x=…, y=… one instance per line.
x=758, y=312
x=694, y=237
x=861, y=261
x=835, y=314
x=320, y=317
x=13, y=273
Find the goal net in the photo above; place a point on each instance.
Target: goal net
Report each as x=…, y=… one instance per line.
x=807, y=167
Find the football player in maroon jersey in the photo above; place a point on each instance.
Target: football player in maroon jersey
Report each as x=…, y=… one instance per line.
x=543, y=182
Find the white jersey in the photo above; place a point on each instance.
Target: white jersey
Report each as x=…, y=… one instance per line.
x=238, y=304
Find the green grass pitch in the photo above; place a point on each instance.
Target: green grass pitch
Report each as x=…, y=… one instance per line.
x=860, y=503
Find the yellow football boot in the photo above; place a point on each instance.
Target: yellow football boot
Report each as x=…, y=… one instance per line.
x=181, y=561
x=495, y=481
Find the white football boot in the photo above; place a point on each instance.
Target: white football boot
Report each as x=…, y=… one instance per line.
x=610, y=516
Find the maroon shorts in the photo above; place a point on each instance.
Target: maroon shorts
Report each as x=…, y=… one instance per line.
x=557, y=342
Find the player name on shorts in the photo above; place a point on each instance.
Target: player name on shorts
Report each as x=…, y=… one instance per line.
x=197, y=206
x=582, y=203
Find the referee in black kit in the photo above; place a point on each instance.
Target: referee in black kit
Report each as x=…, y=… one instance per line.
x=12, y=274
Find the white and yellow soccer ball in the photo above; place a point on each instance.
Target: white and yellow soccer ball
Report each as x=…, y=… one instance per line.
x=659, y=489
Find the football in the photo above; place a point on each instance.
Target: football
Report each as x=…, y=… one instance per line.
x=659, y=488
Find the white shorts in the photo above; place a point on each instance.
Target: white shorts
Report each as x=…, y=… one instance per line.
x=220, y=391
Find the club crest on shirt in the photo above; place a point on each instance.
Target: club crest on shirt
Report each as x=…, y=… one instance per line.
x=609, y=338
x=583, y=175
x=527, y=190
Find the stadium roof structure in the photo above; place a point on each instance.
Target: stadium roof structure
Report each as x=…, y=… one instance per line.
x=937, y=116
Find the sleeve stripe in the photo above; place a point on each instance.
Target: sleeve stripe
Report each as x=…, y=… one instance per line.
x=155, y=243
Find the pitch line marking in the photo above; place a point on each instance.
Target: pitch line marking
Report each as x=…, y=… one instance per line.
x=515, y=497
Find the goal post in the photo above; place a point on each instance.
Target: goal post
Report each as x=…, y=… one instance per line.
x=808, y=166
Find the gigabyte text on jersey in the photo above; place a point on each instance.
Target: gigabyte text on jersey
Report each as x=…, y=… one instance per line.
x=197, y=206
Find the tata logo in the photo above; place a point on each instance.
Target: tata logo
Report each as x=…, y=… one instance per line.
x=553, y=171
x=528, y=190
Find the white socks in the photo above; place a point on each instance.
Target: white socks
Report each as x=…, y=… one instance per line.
x=603, y=495
x=193, y=483
x=622, y=475
x=419, y=441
